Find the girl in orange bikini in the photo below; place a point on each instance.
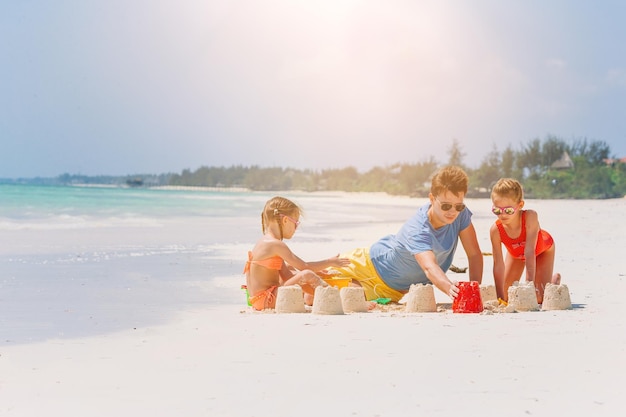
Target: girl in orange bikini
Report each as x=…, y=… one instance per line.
x=271, y=263
x=528, y=246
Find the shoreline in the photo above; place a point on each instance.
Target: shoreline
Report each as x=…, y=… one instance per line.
x=278, y=192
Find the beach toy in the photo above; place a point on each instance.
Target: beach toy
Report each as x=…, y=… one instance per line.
x=328, y=273
x=289, y=299
x=556, y=297
x=468, y=300
x=327, y=301
x=421, y=299
x=337, y=282
x=523, y=297
x=245, y=288
x=353, y=300
x=382, y=301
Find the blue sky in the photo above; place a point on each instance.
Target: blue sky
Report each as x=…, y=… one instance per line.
x=120, y=87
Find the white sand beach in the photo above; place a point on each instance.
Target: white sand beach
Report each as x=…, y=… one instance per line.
x=143, y=354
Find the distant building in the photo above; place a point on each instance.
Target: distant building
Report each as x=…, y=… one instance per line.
x=564, y=162
x=611, y=161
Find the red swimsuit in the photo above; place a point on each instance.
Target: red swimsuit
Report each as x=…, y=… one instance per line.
x=516, y=246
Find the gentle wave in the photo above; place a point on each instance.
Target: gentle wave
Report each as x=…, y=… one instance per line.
x=68, y=222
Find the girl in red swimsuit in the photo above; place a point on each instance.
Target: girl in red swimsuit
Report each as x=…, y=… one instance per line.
x=271, y=263
x=528, y=246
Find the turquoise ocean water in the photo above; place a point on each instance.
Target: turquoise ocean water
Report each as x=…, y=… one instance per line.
x=83, y=260
x=41, y=203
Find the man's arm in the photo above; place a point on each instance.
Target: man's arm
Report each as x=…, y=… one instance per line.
x=474, y=254
x=435, y=274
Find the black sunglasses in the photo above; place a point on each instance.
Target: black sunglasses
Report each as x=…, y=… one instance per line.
x=447, y=206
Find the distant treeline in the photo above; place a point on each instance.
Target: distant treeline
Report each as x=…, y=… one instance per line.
x=549, y=168
x=145, y=180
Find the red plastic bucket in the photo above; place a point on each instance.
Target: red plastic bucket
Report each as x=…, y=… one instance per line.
x=468, y=300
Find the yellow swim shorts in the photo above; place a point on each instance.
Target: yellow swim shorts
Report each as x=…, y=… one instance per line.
x=362, y=270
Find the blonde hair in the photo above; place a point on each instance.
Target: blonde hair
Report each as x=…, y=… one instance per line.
x=450, y=178
x=509, y=188
x=275, y=208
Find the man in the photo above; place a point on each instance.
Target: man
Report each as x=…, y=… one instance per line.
x=423, y=248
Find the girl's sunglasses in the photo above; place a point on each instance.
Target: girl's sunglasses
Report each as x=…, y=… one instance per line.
x=447, y=206
x=295, y=222
x=503, y=210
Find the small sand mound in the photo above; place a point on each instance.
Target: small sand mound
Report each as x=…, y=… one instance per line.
x=353, y=300
x=522, y=296
x=421, y=299
x=289, y=299
x=556, y=297
x=488, y=293
x=327, y=301
x=494, y=306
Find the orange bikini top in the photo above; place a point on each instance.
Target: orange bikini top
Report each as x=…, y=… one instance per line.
x=275, y=262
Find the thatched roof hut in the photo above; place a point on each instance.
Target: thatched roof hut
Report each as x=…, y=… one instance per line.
x=564, y=162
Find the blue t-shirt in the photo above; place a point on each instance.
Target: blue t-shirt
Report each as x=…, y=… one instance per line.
x=393, y=256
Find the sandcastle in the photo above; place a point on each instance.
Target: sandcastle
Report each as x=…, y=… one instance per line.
x=522, y=296
x=327, y=301
x=421, y=299
x=289, y=299
x=556, y=297
x=488, y=293
x=353, y=300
